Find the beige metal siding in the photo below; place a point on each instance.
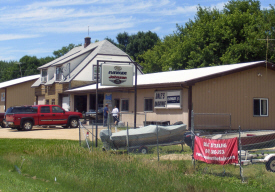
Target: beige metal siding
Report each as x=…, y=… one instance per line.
x=172, y=115
x=20, y=94
x=234, y=94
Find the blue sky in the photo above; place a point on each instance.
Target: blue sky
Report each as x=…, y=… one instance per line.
x=37, y=28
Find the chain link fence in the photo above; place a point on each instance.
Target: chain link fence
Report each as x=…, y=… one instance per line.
x=154, y=140
x=256, y=148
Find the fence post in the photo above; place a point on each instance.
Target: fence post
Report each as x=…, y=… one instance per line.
x=192, y=136
x=79, y=134
x=240, y=154
x=145, y=120
x=92, y=136
x=158, y=141
x=127, y=138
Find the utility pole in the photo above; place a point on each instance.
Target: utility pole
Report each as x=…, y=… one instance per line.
x=267, y=39
x=19, y=63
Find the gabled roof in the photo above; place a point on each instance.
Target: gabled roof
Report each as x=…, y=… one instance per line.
x=100, y=48
x=183, y=77
x=18, y=81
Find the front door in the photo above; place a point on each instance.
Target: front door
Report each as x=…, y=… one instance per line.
x=58, y=116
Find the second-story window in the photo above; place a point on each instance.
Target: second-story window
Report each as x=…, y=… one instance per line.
x=58, y=73
x=44, y=76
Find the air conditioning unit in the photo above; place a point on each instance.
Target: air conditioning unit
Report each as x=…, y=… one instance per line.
x=43, y=79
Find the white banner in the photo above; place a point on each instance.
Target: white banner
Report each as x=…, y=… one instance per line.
x=117, y=75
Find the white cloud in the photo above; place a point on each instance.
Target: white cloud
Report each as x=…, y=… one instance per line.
x=156, y=29
x=5, y=37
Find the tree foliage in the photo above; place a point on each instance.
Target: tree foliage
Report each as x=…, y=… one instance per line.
x=64, y=50
x=28, y=65
x=135, y=44
x=215, y=38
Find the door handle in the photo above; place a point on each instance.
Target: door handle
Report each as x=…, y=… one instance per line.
x=53, y=114
x=42, y=115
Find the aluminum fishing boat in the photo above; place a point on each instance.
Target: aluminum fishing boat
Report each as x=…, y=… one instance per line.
x=141, y=138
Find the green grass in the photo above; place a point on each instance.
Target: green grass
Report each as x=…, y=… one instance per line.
x=77, y=169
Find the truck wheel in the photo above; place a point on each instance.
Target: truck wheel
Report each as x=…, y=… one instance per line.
x=73, y=123
x=27, y=125
x=270, y=165
x=143, y=150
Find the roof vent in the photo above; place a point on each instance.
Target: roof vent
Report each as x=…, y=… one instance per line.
x=87, y=41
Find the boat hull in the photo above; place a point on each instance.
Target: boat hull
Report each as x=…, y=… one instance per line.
x=148, y=136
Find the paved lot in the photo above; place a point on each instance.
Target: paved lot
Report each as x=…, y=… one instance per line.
x=43, y=133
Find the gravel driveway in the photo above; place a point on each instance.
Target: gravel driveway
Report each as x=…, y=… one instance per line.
x=43, y=133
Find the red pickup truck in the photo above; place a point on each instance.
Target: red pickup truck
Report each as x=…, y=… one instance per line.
x=25, y=117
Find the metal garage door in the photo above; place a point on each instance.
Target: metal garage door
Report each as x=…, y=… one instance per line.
x=66, y=103
x=41, y=100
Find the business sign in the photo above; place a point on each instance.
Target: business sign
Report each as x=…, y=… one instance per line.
x=117, y=75
x=168, y=99
x=160, y=99
x=216, y=151
x=173, y=99
x=108, y=96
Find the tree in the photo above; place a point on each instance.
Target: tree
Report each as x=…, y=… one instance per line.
x=64, y=50
x=215, y=38
x=135, y=44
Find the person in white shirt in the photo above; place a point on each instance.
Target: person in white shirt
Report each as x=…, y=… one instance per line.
x=115, y=112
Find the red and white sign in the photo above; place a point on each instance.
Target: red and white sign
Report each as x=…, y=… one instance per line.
x=216, y=151
x=117, y=75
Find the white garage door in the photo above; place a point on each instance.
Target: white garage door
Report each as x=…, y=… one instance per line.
x=41, y=100
x=66, y=103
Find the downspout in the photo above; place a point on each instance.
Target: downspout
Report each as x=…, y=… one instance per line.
x=190, y=106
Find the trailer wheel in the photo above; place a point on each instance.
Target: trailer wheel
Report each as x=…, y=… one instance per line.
x=270, y=165
x=143, y=150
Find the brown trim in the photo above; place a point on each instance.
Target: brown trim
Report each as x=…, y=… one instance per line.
x=190, y=106
x=260, y=64
x=188, y=83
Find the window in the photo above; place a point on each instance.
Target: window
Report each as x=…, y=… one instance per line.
x=124, y=105
x=45, y=109
x=56, y=109
x=47, y=102
x=58, y=74
x=148, y=104
x=94, y=73
x=260, y=107
x=34, y=109
x=53, y=101
x=44, y=76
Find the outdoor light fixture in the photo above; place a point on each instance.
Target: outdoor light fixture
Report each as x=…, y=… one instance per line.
x=259, y=75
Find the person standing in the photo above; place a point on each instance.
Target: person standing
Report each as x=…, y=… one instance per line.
x=115, y=112
x=105, y=115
